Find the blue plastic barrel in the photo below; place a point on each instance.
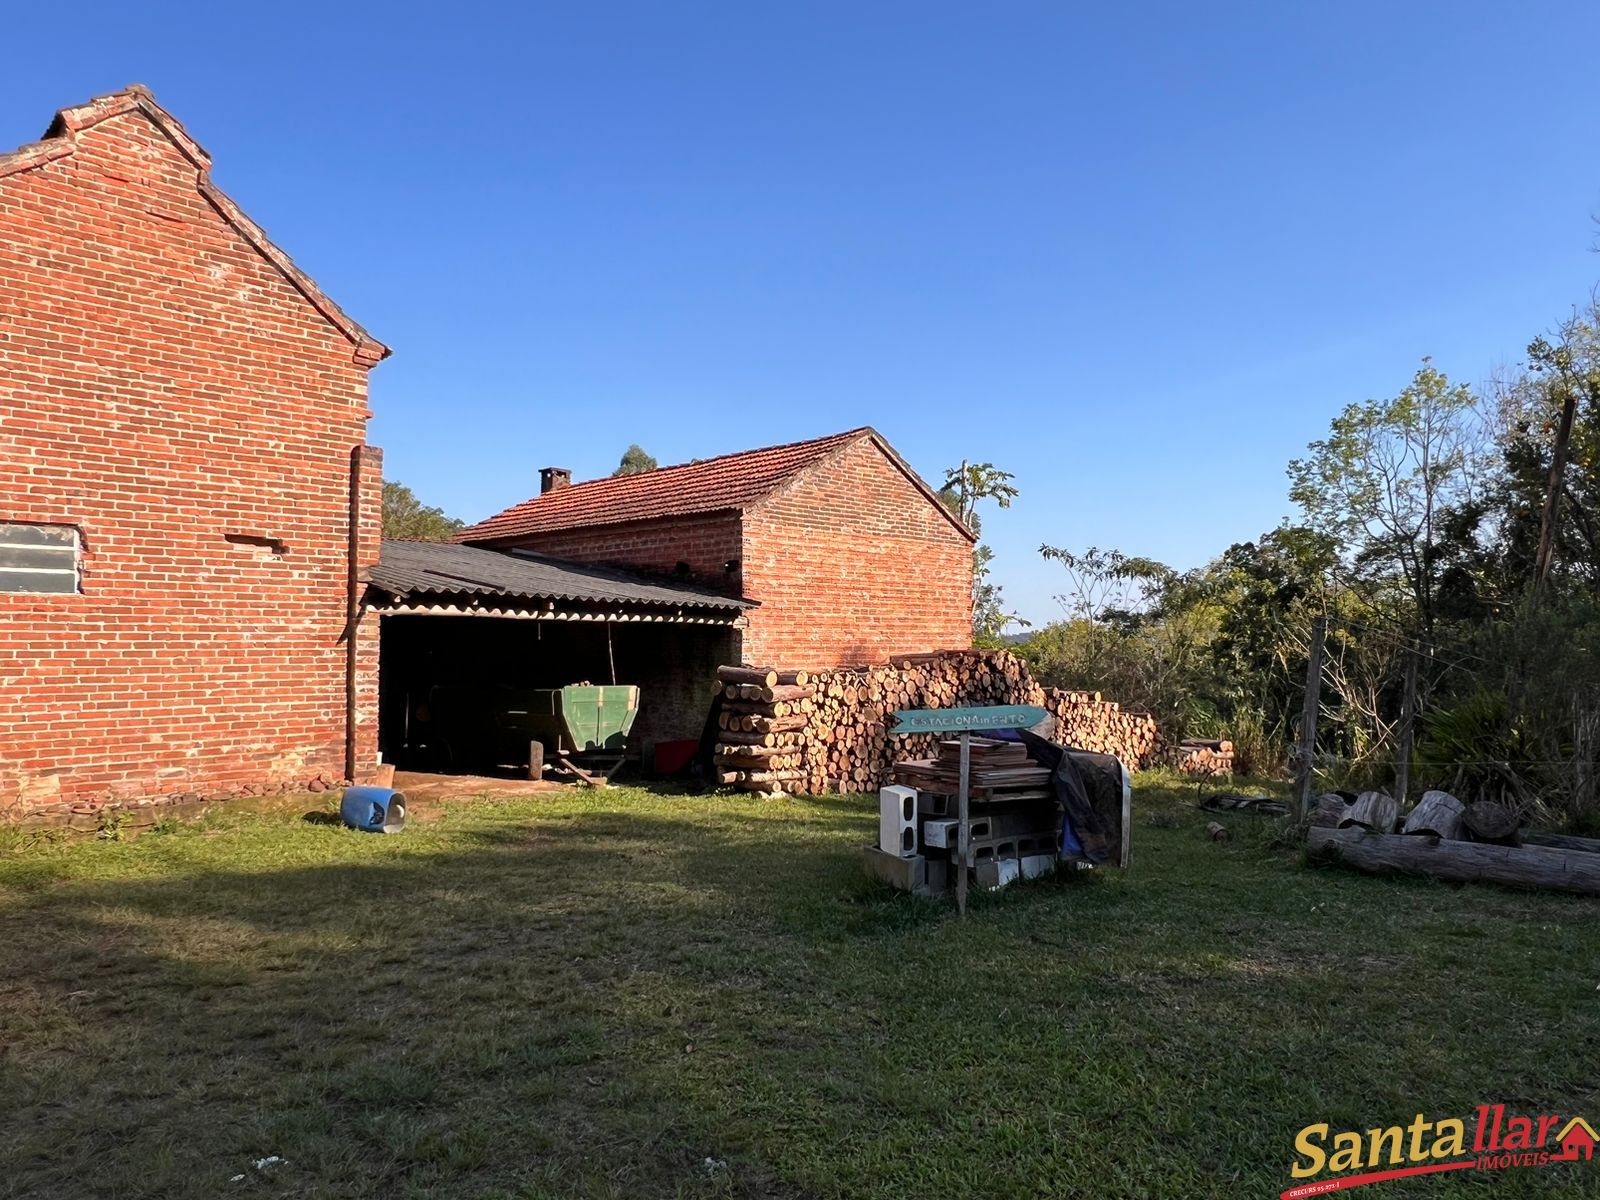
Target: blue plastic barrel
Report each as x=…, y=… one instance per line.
x=373, y=809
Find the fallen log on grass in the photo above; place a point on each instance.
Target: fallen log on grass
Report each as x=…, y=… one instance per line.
x=1563, y=841
x=1546, y=867
x=1372, y=810
x=1331, y=808
x=1490, y=822
x=1438, y=813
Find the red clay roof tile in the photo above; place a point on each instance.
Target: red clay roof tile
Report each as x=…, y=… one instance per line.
x=728, y=482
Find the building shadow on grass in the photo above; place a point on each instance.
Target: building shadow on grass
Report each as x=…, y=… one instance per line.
x=449, y=1022
x=627, y=1002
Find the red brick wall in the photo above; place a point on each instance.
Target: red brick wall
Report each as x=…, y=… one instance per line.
x=707, y=542
x=852, y=563
x=164, y=386
x=364, y=526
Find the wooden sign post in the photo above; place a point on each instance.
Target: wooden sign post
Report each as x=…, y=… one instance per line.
x=964, y=721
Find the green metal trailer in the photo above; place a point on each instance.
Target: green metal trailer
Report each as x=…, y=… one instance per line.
x=583, y=718
x=582, y=728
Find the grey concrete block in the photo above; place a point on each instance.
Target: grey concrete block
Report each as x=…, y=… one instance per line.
x=906, y=873
x=1035, y=865
x=991, y=849
x=996, y=872
x=939, y=834
x=897, y=819
x=932, y=804
x=1043, y=842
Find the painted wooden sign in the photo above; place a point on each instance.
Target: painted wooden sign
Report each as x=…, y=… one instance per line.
x=965, y=720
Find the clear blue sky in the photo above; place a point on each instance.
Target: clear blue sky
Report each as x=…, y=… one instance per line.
x=1137, y=254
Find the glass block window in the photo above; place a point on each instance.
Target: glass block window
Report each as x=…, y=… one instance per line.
x=38, y=558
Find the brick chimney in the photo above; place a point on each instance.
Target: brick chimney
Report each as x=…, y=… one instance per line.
x=553, y=479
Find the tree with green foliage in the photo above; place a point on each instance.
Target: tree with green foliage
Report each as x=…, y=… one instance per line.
x=1135, y=628
x=990, y=619
x=634, y=461
x=964, y=487
x=1382, y=483
x=1106, y=583
x=973, y=482
x=405, y=518
x=1443, y=530
x=1549, y=504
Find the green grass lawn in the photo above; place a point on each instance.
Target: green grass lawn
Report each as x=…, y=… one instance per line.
x=593, y=994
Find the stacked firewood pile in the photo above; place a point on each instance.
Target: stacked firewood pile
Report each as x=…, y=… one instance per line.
x=832, y=734
x=1198, y=756
x=761, y=728
x=1086, y=721
x=849, y=747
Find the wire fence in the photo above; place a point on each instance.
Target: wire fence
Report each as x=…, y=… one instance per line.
x=1386, y=710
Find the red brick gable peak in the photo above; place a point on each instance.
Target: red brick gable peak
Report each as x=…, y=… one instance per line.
x=61, y=141
x=898, y=463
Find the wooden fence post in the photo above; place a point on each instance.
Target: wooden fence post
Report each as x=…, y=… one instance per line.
x=1308, y=720
x=1408, y=714
x=964, y=828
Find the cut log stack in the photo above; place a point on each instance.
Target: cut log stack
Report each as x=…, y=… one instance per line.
x=850, y=748
x=761, y=729
x=1088, y=721
x=827, y=731
x=1198, y=756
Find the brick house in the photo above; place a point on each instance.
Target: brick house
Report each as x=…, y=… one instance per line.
x=186, y=497
x=821, y=553
x=849, y=554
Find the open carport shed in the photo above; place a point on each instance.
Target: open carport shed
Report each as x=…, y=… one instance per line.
x=465, y=630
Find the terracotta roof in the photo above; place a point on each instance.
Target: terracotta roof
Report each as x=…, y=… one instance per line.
x=61, y=141
x=730, y=482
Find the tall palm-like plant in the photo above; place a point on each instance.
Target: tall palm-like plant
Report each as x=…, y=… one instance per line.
x=972, y=482
x=963, y=488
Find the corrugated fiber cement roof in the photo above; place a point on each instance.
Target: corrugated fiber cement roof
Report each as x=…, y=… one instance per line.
x=442, y=568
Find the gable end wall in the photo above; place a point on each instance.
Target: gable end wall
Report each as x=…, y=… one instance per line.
x=163, y=386
x=852, y=563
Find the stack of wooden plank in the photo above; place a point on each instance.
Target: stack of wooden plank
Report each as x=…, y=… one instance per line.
x=998, y=771
x=761, y=728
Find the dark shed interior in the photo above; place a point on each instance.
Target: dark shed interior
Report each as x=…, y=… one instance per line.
x=431, y=665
